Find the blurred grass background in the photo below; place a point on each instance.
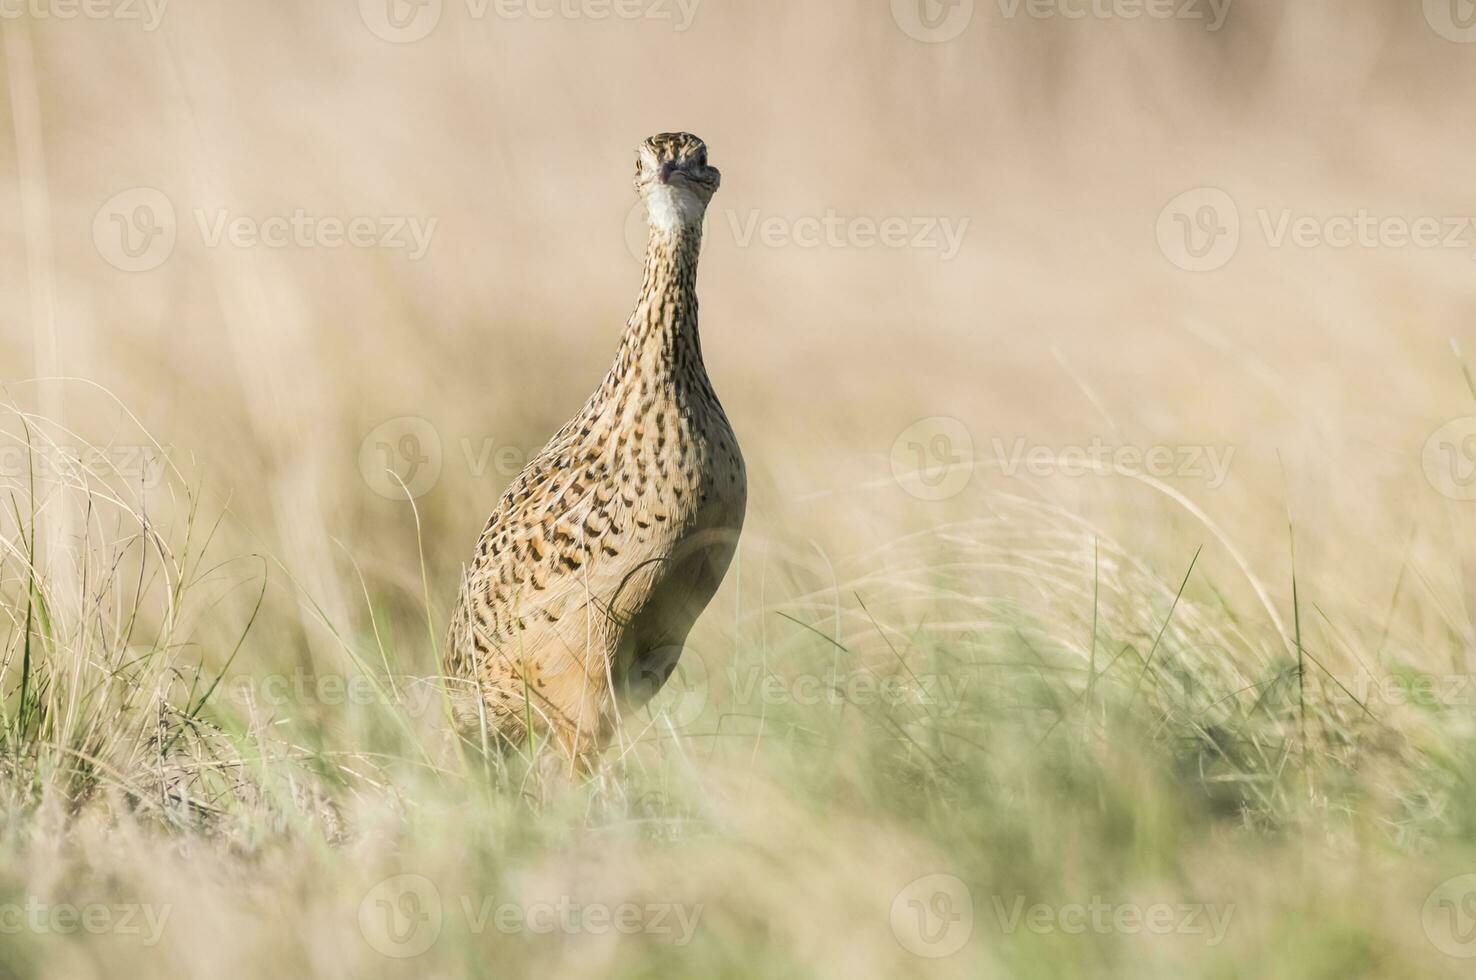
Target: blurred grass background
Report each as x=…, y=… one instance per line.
x=1110, y=688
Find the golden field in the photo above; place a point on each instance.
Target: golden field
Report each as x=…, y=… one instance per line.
x=1105, y=602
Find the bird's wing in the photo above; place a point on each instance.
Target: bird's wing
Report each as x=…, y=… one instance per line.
x=554, y=575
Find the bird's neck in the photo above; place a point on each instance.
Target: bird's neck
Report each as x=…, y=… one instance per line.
x=661, y=336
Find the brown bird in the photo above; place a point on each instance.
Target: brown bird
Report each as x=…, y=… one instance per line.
x=607, y=547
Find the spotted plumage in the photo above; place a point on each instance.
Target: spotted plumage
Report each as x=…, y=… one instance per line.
x=606, y=548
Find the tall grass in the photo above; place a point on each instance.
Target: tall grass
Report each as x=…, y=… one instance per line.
x=986, y=735
x=1011, y=700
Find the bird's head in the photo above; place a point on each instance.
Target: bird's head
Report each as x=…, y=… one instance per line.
x=673, y=178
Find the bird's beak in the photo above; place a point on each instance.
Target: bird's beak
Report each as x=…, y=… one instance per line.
x=667, y=169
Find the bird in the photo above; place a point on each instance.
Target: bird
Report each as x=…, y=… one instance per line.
x=602, y=553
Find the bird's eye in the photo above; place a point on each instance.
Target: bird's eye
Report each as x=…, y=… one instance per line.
x=701, y=158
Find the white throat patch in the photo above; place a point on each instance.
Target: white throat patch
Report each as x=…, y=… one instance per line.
x=670, y=208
